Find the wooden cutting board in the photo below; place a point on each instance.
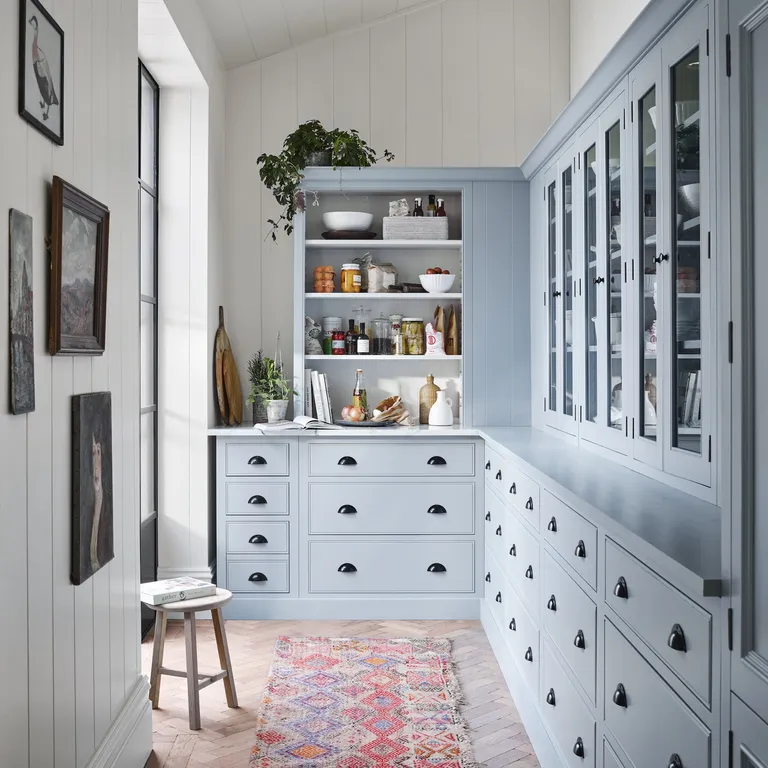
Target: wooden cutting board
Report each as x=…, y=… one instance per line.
x=228, y=393
x=232, y=388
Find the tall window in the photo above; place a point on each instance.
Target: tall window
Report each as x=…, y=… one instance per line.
x=147, y=174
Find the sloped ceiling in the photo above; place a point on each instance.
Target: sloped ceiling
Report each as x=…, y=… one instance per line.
x=247, y=30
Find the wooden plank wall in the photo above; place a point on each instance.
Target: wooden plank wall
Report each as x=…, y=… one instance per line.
x=69, y=655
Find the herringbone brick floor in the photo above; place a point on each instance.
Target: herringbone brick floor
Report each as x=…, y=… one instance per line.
x=226, y=737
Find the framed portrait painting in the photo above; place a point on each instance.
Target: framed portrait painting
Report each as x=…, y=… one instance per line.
x=41, y=70
x=79, y=256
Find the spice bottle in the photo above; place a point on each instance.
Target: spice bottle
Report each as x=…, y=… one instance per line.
x=440, y=207
x=427, y=398
x=417, y=209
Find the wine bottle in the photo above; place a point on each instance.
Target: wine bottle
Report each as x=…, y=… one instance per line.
x=363, y=342
x=350, y=340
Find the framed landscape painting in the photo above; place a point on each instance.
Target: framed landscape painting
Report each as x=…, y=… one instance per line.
x=79, y=256
x=41, y=70
x=21, y=318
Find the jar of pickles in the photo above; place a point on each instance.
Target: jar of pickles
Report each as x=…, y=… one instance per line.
x=413, y=333
x=351, y=279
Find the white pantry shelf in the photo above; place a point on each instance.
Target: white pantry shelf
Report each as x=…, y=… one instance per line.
x=387, y=358
x=384, y=296
x=369, y=245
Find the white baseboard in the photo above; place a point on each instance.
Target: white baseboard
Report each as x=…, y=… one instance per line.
x=128, y=742
x=203, y=572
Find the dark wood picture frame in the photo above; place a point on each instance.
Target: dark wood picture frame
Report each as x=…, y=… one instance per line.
x=60, y=342
x=24, y=37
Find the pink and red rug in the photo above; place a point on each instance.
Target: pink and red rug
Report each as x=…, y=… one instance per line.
x=362, y=703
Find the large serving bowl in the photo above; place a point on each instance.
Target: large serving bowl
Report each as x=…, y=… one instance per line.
x=353, y=221
x=437, y=283
x=690, y=197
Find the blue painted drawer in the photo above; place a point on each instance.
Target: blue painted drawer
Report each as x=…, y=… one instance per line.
x=496, y=589
x=256, y=498
x=653, y=608
x=256, y=459
x=257, y=538
x=565, y=714
x=610, y=760
x=390, y=508
x=569, y=617
x=514, y=486
x=521, y=562
x=522, y=636
x=391, y=458
x=377, y=567
x=654, y=723
x=257, y=576
x=495, y=519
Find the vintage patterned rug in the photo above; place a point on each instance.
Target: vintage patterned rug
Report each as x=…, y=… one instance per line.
x=362, y=703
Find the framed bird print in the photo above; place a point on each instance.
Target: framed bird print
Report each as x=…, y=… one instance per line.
x=41, y=70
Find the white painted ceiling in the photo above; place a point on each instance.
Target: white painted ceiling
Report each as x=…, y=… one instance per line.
x=247, y=30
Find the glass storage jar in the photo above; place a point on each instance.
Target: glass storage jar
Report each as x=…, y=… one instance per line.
x=351, y=279
x=413, y=331
x=381, y=336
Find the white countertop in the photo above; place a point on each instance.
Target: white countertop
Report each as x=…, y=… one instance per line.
x=419, y=430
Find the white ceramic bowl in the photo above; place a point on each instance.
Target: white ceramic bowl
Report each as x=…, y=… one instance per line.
x=437, y=283
x=690, y=196
x=354, y=221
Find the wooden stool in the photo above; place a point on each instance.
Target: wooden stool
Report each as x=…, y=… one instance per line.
x=195, y=681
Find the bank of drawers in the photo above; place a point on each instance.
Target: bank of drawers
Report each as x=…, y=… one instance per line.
x=513, y=486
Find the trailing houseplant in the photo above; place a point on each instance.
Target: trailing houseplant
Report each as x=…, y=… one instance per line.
x=269, y=388
x=310, y=144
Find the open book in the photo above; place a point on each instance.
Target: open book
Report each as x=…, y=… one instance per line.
x=300, y=422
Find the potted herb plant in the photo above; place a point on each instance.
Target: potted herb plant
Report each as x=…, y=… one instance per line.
x=269, y=388
x=310, y=144
x=257, y=372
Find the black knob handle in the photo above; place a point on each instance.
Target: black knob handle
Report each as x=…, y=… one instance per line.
x=436, y=509
x=662, y=257
x=598, y=280
x=437, y=568
x=347, y=509
x=257, y=460
x=555, y=294
x=347, y=568
x=487, y=464
x=258, y=576
x=552, y=525
x=578, y=748
x=488, y=516
x=529, y=654
x=347, y=461
x=529, y=503
x=513, y=489
x=581, y=550
x=578, y=641
x=488, y=577
x=435, y=461
x=620, y=696
x=551, y=697
x=513, y=551
x=529, y=572
x=675, y=761
x=498, y=531
x=498, y=597
x=257, y=499
x=676, y=639
x=513, y=625
x=257, y=538
x=498, y=475
x=620, y=590
x=552, y=604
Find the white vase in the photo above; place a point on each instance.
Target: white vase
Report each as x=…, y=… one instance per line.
x=276, y=410
x=650, y=411
x=441, y=413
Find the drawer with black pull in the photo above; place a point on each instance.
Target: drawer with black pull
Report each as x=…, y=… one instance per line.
x=391, y=458
x=522, y=636
x=570, y=619
x=573, y=537
x=256, y=459
x=257, y=576
x=520, y=561
x=495, y=519
x=650, y=722
x=256, y=498
x=345, y=566
x=675, y=627
x=389, y=508
x=565, y=714
x=257, y=538
x=496, y=589
x=514, y=486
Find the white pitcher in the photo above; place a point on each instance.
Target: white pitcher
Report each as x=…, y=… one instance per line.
x=441, y=413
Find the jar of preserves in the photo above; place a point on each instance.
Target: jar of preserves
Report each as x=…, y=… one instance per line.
x=351, y=279
x=413, y=333
x=337, y=343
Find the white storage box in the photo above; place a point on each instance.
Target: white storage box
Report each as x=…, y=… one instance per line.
x=415, y=228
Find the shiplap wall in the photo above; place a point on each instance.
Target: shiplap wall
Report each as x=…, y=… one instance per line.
x=457, y=83
x=69, y=656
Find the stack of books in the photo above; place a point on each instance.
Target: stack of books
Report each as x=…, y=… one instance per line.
x=174, y=590
x=316, y=388
x=689, y=398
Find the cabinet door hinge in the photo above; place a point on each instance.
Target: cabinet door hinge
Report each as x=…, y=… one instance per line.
x=707, y=41
x=730, y=629
x=728, y=55
x=709, y=245
x=709, y=456
x=730, y=341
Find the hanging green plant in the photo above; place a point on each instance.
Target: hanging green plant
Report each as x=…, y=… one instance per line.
x=310, y=144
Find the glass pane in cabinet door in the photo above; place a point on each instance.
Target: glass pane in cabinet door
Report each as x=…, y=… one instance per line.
x=685, y=261
x=553, y=294
x=613, y=172
x=648, y=287
x=590, y=278
x=567, y=186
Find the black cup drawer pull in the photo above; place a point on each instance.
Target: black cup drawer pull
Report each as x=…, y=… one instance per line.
x=529, y=572
x=436, y=509
x=620, y=696
x=347, y=509
x=347, y=461
x=498, y=597
x=529, y=503
x=258, y=576
x=620, y=590
x=488, y=577
x=578, y=748
x=437, y=568
x=529, y=654
x=513, y=551
x=257, y=499
x=551, y=697
x=488, y=465
x=488, y=516
x=581, y=550
x=552, y=525
x=257, y=538
x=347, y=568
x=498, y=475
x=513, y=489
x=552, y=604
x=436, y=461
x=257, y=460
x=578, y=641
x=676, y=639
x=675, y=761
x=513, y=625
x=498, y=531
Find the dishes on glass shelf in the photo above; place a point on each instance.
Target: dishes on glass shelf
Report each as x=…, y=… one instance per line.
x=347, y=221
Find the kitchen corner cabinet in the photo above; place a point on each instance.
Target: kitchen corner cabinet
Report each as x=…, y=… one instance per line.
x=626, y=229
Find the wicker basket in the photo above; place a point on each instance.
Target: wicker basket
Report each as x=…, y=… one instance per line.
x=415, y=228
